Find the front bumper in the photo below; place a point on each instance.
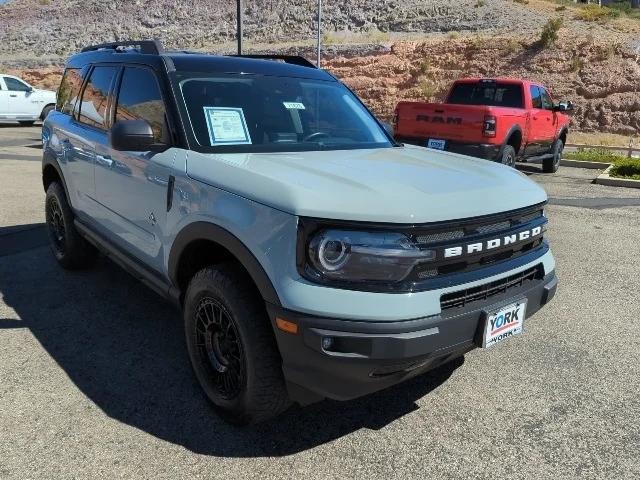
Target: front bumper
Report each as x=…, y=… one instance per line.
x=486, y=151
x=365, y=357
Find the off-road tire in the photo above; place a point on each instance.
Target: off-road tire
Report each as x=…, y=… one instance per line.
x=71, y=250
x=26, y=123
x=260, y=392
x=551, y=164
x=508, y=156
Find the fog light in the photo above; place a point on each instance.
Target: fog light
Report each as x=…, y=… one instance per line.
x=327, y=343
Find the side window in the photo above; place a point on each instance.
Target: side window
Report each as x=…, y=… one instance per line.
x=547, y=103
x=93, y=106
x=69, y=90
x=14, y=85
x=536, y=97
x=140, y=99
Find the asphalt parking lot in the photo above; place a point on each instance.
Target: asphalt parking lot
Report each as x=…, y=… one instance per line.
x=95, y=380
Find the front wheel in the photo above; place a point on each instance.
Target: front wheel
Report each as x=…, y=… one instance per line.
x=551, y=164
x=232, y=347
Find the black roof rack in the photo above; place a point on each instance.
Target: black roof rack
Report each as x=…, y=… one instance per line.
x=291, y=59
x=151, y=47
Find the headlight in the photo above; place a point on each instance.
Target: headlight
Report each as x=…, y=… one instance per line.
x=354, y=256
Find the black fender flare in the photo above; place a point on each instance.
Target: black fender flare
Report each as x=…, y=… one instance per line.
x=49, y=160
x=507, y=137
x=209, y=231
x=562, y=131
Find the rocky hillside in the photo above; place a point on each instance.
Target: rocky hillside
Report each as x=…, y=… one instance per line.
x=386, y=50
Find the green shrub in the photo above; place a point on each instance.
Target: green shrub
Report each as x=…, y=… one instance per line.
x=594, y=13
x=550, y=31
x=594, y=155
x=626, y=168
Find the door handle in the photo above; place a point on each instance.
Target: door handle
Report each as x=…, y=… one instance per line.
x=105, y=161
x=13, y=96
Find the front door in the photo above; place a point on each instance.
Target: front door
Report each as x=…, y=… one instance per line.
x=132, y=186
x=20, y=104
x=87, y=130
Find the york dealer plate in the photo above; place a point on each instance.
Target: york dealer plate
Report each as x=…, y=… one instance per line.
x=504, y=323
x=436, y=144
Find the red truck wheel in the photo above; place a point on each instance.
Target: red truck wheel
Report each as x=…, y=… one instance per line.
x=508, y=156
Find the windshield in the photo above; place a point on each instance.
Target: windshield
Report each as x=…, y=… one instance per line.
x=487, y=93
x=258, y=113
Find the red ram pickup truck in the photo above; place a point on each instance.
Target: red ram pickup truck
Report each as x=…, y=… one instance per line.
x=498, y=119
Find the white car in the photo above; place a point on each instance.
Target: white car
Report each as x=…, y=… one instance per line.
x=23, y=103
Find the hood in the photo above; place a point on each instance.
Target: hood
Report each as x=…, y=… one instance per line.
x=395, y=185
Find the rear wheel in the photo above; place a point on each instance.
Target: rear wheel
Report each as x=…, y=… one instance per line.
x=70, y=249
x=232, y=347
x=25, y=123
x=551, y=164
x=508, y=156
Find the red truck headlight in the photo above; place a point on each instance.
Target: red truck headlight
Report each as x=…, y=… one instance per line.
x=489, y=126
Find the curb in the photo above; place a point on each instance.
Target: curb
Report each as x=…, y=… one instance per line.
x=583, y=164
x=605, y=179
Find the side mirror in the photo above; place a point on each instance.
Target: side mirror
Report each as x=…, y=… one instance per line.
x=134, y=136
x=563, y=107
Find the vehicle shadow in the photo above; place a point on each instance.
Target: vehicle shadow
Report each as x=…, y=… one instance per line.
x=123, y=347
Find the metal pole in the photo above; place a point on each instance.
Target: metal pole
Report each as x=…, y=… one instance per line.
x=319, y=31
x=239, y=29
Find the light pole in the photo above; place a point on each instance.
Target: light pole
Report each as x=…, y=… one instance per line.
x=239, y=28
x=319, y=31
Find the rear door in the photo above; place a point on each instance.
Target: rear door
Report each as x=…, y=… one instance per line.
x=132, y=186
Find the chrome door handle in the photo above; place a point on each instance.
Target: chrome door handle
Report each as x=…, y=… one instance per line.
x=105, y=161
x=13, y=96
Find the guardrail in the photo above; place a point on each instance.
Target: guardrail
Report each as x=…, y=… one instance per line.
x=632, y=150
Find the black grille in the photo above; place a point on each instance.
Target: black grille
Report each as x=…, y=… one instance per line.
x=483, y=292
x=477, y=230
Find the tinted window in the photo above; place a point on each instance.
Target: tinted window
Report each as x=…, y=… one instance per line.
x=69, y=90
x=487, y=93
x=547, y=103
x=93, y=107
x=16, y=85
x=260, y=113
x=536, y=97
x=140, y=99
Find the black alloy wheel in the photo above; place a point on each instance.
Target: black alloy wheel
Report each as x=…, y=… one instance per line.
x=219, y=348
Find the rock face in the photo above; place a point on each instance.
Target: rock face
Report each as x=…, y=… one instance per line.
x=61, y=26
x=387, y=50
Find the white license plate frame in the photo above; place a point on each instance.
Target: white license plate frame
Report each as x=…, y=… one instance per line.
x=436, y=144
x=500, y=324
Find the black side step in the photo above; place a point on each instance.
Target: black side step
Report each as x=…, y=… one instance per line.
x=149, y=277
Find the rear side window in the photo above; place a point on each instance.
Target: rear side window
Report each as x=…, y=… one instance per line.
x=69, y=90
x=14, y=85
x=487, y=93
x=93, y=107
x=536, y=97
x=140, y=99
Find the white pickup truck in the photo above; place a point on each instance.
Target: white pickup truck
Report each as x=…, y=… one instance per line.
x=20, y=102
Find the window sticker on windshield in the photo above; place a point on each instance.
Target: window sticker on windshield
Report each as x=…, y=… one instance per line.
x=294, y=105
x=227, y=126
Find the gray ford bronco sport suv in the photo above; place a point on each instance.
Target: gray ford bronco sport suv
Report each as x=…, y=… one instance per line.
x=312, y=256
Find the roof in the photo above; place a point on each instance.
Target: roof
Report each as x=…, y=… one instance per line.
x=151, y=53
